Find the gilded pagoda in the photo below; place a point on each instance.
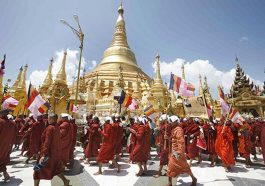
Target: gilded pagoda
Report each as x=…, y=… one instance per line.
x=244, y=97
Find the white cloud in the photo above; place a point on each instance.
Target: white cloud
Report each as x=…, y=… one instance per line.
x=244, y=38
x=214, y=76
x=72, y=59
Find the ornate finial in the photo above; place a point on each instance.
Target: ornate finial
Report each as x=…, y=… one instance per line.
x=61, y=75
x=200, y=83
x=120, y=9
x=183, y=71
x=158, y=75
x=48, y=79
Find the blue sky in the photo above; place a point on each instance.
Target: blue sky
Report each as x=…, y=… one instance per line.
x=191, y=30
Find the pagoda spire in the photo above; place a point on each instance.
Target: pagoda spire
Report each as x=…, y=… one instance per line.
x=200, y=85
x=61, y=75
x=183, y=71
x=158, y=78
x=120, y=37
x=48, y=80
x=22, y=83
x=15, y=85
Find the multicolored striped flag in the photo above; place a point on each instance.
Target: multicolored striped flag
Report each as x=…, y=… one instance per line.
x=236, y=117
x=225, y=108
x=150, y=112
x=36, y=102
x=125, y=99
x=9, y=102
x=181, y=86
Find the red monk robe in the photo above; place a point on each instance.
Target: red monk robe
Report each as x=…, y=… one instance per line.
x=139, y=151
x=244, y=140
x=119, y=138
x=224, y=146
x=74, y=132
x=7, y=138
x=25, y=133
x=147, y=144
x=19, y=124
x=106, y=152
x=94, y=140
x=262, y=141
x=66, y=138
x=51, y=147
x=132, y=139
x=165, y=133
x=255, y=138
x=192, y=131
x=35, y=138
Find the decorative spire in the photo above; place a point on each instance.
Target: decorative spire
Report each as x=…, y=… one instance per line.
x=183, y=71
x=48, y=80
x=158, y=78
x=120, y=38
x=200, y=88
x=120, y=82
x=22, y=83
x=61, y=75
x=15, y=85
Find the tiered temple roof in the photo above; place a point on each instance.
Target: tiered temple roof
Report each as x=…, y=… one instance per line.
x=241, y=82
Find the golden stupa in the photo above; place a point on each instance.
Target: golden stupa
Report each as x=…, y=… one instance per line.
x=118, y=70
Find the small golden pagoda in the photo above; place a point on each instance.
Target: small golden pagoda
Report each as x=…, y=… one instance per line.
x=57, y=92
x=243, y=97
x=47, y=83
x=19, y=91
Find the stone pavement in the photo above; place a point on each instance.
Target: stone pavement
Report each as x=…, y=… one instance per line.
x=82, y=174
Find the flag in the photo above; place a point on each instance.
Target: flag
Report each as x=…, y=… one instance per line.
x=2, y=69
x=133, y=105
x=35, y=101
x=223, y=104
x=125, y=99
x=181, y=86
x=9, y=102
x=150, y=112
x=236, y=117
x=75, y=109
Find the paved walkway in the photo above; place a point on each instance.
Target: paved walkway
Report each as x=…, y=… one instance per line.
x=82, y=174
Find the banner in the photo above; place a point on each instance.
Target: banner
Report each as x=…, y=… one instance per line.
x=195, y=107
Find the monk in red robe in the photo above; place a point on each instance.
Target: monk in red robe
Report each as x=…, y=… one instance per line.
x=85, y=134
x=51, y=152
x=224, y=146
x=139, y=152
x=107, y=149
x=66, y=138
x=191, y=132
x=262, y=140
x=177, y=159
x=7, y=139
x=19, y=124
x=210, y=135
x=255, y=138
x=244, y=141
x=26, y=133
x=119, y=136
x=132, y=137
x=164, y=140
x=35, y=138
x=74, y=132
x=94, y=140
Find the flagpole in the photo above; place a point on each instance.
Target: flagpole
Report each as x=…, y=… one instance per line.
x=226, y=118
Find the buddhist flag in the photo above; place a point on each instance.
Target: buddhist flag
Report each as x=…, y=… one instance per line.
x=9, y=103
x=236, y=117
x=125, y=99
x=133, y=105
x=35, y=101
x=2, y=69
x=181, y=86
x=150, y=112
x=223, y=104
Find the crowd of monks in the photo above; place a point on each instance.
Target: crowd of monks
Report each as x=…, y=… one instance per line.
x=51, y=140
